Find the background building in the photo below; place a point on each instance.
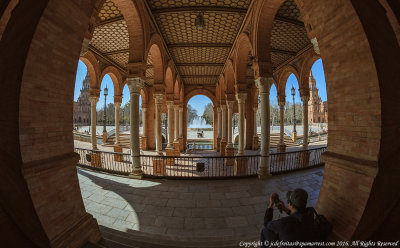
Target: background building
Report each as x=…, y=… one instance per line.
x=82, y=105
x=317, y=109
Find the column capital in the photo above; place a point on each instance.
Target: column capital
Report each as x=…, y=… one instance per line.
x=144, y=109
x=170, y=104
x=229, y=104
x=176, y=107
x=158, y=98
x=264, y=84
x=219, y=109
x=117, y=105
x=281, y=98
x=241, y=97
x=281, y=104
x=93, y=99
x=305, y=99
x=223, y=107
x=135, y=84
x=255, y=109
x=180, y=109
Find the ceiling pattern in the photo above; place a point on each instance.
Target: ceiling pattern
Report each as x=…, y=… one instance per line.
x=288, y=35
x=199, y=54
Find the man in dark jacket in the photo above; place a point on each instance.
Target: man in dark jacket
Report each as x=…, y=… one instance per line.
x=297, y=226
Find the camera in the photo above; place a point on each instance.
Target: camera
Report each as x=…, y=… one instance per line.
x=277, y=202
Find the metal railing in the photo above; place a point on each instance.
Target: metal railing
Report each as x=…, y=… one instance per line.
x=191, y=167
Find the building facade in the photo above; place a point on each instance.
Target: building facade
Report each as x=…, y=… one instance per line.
x=317, y=109
x=82, y=105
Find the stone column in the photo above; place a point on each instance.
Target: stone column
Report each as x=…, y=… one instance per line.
x=170, y=106
x=241, y=98
x=158, y=99
x=93, y=103
x=143, y=140
x=255, y=136
x=181, y=145
x=263, y=85
x=305, y=100
x=229, y=150
x=223, y=136
x=281, y=146
x=219, y=126
x=117, y=106
x=135, y=85
x=176, y=139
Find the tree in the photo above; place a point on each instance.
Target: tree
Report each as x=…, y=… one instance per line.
x=208, y=114
x=191, y=113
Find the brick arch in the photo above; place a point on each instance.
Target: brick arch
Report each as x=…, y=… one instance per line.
x=177, y=89
x=362, y=168
x=93, y=68
x=115, y=77
x=222, y=87
x=169, y=81
x=136, y=30
x=182, y=93
x=196, y=92
x=305, y=72
x=283, y=77
x=229, y=77
x=242, y=51
x=6, y=14
x=154, y=49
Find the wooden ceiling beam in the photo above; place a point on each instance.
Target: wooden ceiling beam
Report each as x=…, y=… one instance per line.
x=200, y=64
x=107, y=59
x=199, y=76
x=274, y=50
x=117, y=52
x=177, y=45
x=109, y=21
x=291, y=21
x=197, y=9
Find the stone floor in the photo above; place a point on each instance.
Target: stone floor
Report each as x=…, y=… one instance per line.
x=189, y=208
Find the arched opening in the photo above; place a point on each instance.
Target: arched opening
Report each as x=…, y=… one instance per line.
x=81, y=110
x=200, y=123
x=293, y=108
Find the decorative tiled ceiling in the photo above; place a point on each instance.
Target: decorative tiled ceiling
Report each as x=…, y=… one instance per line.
x=110, y=36
x=199, y=54
x=149, y=69
x=289, y=35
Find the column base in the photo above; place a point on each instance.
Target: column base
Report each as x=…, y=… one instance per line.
x=218, y=144
x=281, y=148
x=222, y=147
x=263, y=169
x=134, y=175
x=229, y=152
x=177, y=148
x=143, y=143
x=255, y=144
x=304, y=159
x=170, y=152
x=95, y=159
x=240, y=168
x=181, y=145
x=104, y=137
x=159, y=168
x=294, y=137
x=118, y=157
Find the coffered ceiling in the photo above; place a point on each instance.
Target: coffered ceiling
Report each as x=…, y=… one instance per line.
x=199, y=55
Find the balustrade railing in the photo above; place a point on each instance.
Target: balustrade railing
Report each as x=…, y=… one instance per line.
x=199, y=166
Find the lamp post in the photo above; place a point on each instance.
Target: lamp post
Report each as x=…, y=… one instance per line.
x=105, y=109
x=294, y=115
x=123, y=116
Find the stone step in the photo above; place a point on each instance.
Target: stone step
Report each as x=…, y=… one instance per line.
x=118, y=239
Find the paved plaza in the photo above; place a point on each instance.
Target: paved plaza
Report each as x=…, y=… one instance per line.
x=189, y=209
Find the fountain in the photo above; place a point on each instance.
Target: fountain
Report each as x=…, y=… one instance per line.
x=199, y=122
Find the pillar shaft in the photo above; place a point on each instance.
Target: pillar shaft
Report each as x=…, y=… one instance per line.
x=255, y=121
x=144, y=121
x=219, y=122
x=281, y=129
x=305, y=100
x=229, y=105
x=180, y=122
x=158, y=102
x=223, y=113
x=176, y=115
x=135, y=85
x=170, y=106
x=241, y=98
x=117, y=106
x=263, y=85
x=93, y=103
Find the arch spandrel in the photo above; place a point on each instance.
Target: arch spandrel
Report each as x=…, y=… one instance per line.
x=93, y=68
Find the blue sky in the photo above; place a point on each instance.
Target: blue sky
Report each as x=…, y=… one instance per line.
x=200, y=101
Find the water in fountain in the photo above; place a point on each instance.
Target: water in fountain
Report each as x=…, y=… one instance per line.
x=199, y=122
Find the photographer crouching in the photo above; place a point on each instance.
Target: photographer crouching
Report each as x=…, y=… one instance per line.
x=297, y=226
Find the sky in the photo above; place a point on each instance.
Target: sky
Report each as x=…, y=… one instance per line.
x=200, y=101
